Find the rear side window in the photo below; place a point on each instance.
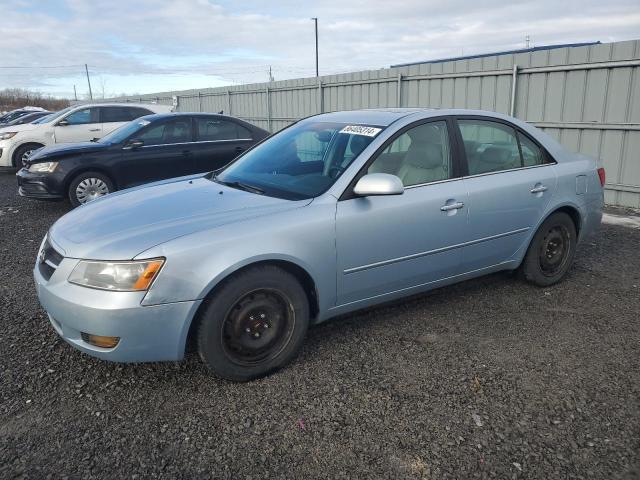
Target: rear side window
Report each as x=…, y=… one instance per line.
x=211, y=129
x=175, y=131
x=115, y=114
x=532, y=154
x=137, y=112
x=489, y=146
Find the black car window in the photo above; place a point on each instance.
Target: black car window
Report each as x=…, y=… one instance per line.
x=115, y=114
x=137, y=112
x=211, y=128
x=82, y=117
x=175, y=131
x=489, y=146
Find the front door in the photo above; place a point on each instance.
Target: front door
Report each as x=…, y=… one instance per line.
x=167, y=152
x=79, y=126
x=387, y=244
x=510, y=183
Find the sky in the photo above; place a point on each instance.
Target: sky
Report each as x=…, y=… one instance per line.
x=147, y=46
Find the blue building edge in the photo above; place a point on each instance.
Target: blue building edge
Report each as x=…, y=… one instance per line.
x=494, y=54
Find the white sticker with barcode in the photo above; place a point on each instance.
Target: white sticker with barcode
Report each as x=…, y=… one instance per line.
x=361, y=130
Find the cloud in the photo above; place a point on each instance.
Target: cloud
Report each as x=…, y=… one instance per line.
x=174, y=43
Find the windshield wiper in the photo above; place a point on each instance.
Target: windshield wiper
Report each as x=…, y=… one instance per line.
x=241, y=186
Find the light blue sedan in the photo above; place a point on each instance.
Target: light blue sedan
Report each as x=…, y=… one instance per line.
x=337, y=212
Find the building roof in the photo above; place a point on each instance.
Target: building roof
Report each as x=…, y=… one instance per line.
x=505, y=52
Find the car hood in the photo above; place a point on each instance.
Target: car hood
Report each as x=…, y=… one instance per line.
x=122, y=225
x=64, y=149
x=25, y=127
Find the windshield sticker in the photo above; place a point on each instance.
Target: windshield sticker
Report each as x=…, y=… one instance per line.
x=360, y=130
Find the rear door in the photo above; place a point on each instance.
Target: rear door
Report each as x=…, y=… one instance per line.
x=166, y=153
x=510, y=180
x=218, y=141
x=79, y=126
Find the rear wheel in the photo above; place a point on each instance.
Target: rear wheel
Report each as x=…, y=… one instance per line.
x=88, y=186
x=23, y=152
x=551, y=251
x=254, y=324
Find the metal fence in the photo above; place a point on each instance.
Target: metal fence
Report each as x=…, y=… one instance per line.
x=587, y=97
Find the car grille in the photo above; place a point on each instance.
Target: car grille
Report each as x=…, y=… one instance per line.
x=48, y=260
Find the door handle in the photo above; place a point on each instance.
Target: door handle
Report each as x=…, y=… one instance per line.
x=186, y=153
x=239, y=149
x=452, y=206
x=539, y=189
x=94, y=130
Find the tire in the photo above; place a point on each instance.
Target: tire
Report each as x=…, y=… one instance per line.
x=254, y=324
x=551, y=251
x=22, y=152
x=88, y=186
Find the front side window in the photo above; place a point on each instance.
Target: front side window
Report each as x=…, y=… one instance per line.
x=175, y=131
x=82, y=117
x=302, y=161
x=420, y=155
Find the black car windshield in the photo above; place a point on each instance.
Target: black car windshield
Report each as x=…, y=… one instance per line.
x=302, y=161
x=125, y=131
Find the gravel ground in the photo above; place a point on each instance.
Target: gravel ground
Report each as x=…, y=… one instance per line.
x=492, y=378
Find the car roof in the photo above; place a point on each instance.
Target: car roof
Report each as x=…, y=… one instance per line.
x=160, y=116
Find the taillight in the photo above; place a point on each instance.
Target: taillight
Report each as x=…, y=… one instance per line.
x=601, y=174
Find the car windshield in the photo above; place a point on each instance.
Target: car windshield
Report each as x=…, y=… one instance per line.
x=125, y=131
x=44, y=119
x=302, y=161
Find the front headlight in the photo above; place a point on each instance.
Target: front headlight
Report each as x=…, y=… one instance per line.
x=7, y=135
x=131, y=276
x=46, y=167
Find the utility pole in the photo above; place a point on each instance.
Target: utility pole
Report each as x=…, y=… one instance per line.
x=315, y=20
x=526, y=40
x=270, y=74
x=86, y=69
x=75, y=95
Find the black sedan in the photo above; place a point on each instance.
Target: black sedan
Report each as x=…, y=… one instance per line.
x=144, y=150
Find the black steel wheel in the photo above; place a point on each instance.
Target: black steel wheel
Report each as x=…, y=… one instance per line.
x=551, y=251
x=258, y=326
x=253, y=323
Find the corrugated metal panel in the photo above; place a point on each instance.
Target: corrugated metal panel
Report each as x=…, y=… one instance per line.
x=579, y=95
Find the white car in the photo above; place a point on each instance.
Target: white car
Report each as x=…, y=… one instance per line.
x=78, y=123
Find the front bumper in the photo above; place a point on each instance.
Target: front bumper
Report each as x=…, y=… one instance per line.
x=38, y=185
x=147, y=333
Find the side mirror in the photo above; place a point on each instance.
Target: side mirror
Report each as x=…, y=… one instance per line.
x=133, y=144
x=378, y=184
x=62, y=123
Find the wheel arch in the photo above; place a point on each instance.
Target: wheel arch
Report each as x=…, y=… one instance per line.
x=16, y=149
x=88, y=168
x=300, y=273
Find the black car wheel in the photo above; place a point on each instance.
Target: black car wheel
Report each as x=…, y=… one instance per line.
x=253, y=324
x=23, y=152
x=551, y=251
x=88, y=186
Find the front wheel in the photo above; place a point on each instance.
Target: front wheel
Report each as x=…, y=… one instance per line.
x=254, y=324
x=23, y=153
x=551, y=251
x=88, y=186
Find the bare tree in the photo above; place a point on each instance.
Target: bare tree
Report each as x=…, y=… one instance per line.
x=12, y=98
